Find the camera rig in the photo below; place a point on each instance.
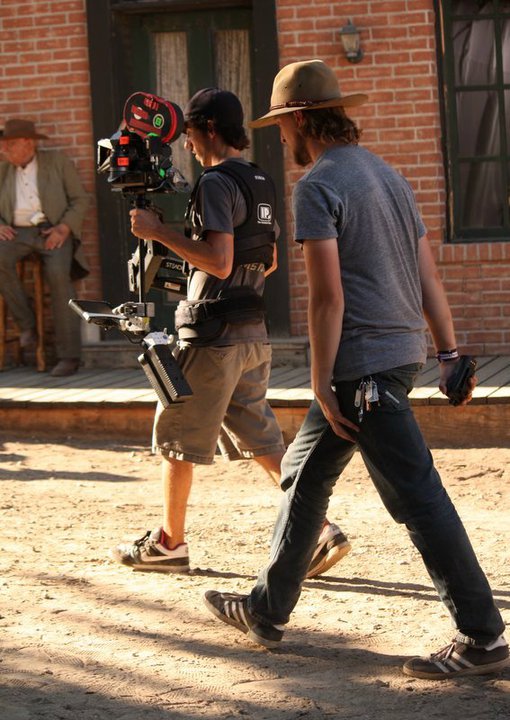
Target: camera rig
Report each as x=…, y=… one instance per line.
x=138, y=158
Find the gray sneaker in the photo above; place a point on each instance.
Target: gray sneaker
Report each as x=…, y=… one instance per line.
x=148, y=553
x=232, y=609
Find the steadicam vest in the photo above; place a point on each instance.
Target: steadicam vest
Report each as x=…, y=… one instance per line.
x=254, y=243
x=255, y=238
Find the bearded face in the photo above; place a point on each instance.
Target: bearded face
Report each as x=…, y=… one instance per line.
x=299, y=152
x=291, y=136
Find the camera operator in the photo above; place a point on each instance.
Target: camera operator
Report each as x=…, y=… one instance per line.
x=223, y=349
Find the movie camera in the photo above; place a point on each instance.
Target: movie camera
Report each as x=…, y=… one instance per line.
x=138, y=158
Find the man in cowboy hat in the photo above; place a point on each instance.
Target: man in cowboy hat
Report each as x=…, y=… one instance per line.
x=42, y=208
x=372, y=282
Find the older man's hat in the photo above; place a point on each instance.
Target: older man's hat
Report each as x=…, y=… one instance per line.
x=18, y=128
x=305, y=85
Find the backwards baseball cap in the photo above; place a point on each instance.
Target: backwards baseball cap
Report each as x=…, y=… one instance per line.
x=215, y=104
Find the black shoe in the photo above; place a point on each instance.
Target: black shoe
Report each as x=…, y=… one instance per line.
x=232, y=609
x=332, y=547
x=458, y=659
x=28, y=339
x=148, y=553
x=65, y=367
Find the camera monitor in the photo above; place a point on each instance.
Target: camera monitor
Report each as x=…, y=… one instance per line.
x=98, y=312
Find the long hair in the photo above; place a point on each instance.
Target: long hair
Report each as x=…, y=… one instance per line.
x=330, y=125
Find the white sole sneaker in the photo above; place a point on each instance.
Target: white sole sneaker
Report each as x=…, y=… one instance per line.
x=331, y=548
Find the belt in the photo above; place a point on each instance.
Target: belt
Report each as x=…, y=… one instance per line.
x=42, y=225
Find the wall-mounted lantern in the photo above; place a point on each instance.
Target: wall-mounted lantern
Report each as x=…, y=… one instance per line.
x=350, y=36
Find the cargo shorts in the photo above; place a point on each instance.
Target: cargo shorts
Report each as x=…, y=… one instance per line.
x=228, y=409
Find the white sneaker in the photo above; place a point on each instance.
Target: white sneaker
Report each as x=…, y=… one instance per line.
x=148, y=553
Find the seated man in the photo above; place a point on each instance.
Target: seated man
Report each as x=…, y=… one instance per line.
x=42, y=207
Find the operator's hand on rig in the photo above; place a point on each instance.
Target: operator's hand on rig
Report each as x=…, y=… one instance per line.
x=145, y=224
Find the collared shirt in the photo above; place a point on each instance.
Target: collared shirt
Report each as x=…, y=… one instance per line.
x=27, y=202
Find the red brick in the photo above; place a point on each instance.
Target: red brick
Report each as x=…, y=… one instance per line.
x=396, y=6
x=76, y=18
x=314, y=10
x=294, y=25
x=50, y=20
x=18, y=23
x=69, y=6
x=18, y=70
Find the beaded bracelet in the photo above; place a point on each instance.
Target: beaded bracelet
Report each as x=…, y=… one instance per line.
x=447, y=355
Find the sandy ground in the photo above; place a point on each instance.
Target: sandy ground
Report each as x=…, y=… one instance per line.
x=83, y=638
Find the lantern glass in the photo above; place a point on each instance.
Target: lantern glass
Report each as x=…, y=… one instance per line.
x=351, y=42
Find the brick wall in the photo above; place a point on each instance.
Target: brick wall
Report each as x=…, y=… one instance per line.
x=402, y=124
x=44, y=76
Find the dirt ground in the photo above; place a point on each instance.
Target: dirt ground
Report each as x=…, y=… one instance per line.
x=84, y=638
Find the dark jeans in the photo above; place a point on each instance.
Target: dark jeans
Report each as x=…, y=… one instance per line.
x=402, y=470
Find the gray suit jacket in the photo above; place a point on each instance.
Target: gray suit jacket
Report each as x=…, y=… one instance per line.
x=63, y=198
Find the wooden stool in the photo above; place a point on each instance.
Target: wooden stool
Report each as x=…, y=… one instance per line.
x=37, y=275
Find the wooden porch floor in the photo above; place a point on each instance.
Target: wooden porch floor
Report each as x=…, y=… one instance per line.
x=26, y=395
x=289, y=386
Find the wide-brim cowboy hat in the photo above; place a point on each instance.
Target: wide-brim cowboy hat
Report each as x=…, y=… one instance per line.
x=17, y=128
x=305, y=85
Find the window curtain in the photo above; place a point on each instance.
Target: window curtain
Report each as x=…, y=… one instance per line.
x=172, y=84
x=232, y=70
x=478, y=113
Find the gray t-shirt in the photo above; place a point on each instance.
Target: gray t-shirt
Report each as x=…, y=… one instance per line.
x=220, y=206
x=353, y=195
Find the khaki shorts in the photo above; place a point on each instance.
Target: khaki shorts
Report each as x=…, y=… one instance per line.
x=228, y=408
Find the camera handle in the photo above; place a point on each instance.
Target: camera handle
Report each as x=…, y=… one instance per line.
x=142, y=203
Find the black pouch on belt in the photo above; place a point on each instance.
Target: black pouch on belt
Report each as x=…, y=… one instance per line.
x=206, y=319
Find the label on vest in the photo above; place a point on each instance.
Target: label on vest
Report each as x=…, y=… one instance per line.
x=265, y=214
